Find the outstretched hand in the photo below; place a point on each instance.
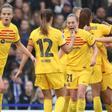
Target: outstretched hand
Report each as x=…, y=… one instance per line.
x=17, y=75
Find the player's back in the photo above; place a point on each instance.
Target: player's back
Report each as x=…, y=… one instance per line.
x=47, y=49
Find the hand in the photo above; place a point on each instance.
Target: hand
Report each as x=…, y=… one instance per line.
x=72, y=34
x=87, y=28
x=93, y=62
x=108, y=45
x=33, y=59
x=17, y=75
x=2, y=87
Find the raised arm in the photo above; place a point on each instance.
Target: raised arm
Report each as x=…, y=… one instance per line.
x=68, y=48
x=61, y=53
x=104, y=39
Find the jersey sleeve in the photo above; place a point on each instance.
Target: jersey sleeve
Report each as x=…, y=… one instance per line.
x=90, y=38
x=17, y=37
x=106, y=30
x=61, y=39
x=30, y=42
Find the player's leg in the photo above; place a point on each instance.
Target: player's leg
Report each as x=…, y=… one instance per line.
x=81, y=103
x=95, y=81
x=83, y=81
x=72, y=83
x=57, y=82
x=47, y=100
x=1, y=88
x=96, y=89
x=67, y=95
x=67, y=99
x=107, y=91
x=60, y=93
x=43, y=82
x=73, y=100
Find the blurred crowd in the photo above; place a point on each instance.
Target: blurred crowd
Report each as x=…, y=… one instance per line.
x=26, y=18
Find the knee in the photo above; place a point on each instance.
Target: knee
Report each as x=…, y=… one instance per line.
x=81, y=93
x=74, y=97
x=47, y=94
x=95, y=92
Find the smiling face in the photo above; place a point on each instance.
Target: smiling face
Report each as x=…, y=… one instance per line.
x=6, y=16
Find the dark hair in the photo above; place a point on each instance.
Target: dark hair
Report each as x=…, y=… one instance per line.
x=45, y=17
x=6, y=5
x=84, y=18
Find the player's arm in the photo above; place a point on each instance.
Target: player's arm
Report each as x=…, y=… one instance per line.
x=61, y=53
x=68, y=48
x=24, y=60
x=104, y=39
x=25, y=50
x=94, y=56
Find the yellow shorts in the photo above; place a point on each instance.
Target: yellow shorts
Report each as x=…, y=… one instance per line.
x=106, y=67
x=106, y=82
x=96, y=75
x=50, y=81
x=74, y=78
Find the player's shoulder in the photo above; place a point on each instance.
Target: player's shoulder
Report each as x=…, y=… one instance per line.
x=55, y=30
x=96, y=25
x=82, y=31
x=36, y=31
x=12, y=25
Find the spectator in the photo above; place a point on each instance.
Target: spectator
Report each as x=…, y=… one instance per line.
x=17, y=17
x=38, y=99
x=27, y=96
x=58, y=21
x=35, y=20
x=18, y=4
x=24, y=31
x=26, y=10
x=76, y=11
x=7, y=94
x=16, y=88
x=11, y=62
x=89, y=99
x=67, y=9
x=1, y=2
x=101, y=16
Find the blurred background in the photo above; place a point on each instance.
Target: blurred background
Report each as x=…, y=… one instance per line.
x=22, y=94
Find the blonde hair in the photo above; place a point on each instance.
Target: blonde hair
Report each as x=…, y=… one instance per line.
x=6, y=5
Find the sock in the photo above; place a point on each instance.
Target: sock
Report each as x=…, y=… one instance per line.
x=72, y=106
x=65, y=108
x=47, y=105
x=97, y=104
x=81, y=105
x=59, y=104
x=109, y=107
x=1, y=96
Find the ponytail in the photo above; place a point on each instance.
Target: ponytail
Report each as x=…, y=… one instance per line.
x=45, y=17
x=85, y=17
